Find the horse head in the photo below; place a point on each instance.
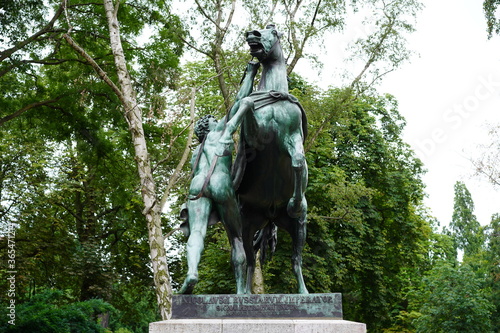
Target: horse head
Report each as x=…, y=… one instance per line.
x=264, y=43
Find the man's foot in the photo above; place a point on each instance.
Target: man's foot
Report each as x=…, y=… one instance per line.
x=188, y=285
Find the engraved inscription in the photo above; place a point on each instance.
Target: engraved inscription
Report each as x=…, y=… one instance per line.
x=255, y=306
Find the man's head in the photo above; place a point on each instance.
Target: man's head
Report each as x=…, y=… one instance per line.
x=202, y=126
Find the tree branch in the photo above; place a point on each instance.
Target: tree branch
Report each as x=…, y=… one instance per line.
x=375, y=51
x=230, y=18
x=108, y=211
x=208, y=17
x=171, y=233
x=94, y=65
x=26, y=108
x=326, y=121
x=70, y=211
x=175, y=176
x=172, y=141
x=271, y=14
x=41, y=62
x=7, y=53
x=194, y=47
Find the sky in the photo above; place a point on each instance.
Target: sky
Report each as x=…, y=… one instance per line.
x=447, y=94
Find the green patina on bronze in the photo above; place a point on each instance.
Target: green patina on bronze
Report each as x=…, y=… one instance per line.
x=212, y=196
x=265, y=186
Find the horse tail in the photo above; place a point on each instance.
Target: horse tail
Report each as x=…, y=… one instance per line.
x=265, y=240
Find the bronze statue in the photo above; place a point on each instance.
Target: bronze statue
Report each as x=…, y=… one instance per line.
x=270, y=170
x=211, y=193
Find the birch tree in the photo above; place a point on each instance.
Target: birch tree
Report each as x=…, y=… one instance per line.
x=132, y=111
x=46, y=72
x=152, y=208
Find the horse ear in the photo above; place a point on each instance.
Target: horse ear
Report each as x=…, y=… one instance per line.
x=277, y=33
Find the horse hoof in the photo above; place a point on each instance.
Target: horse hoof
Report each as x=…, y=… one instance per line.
x=242, y=292
x=303, y=290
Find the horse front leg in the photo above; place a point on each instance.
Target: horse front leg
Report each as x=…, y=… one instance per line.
x=245, y=105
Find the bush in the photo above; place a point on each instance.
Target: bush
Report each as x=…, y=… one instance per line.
x=453, y=302
x=51, y=312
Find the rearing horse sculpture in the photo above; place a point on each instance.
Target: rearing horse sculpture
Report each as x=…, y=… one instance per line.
x=270, y=171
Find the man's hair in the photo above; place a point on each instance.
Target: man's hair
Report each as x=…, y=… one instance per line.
x=201, y=127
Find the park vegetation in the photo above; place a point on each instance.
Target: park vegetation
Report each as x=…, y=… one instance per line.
x=96, y=126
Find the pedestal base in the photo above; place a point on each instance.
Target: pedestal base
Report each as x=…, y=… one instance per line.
x=256, y=326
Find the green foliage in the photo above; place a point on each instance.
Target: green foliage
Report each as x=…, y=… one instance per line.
x=442, y=248
x=492, y=22
x=465, y=228
x=202, y=76
x=454, y=296
x=493, y=268
x=68, y=181
x=135, y=304
x=53, y=312
x=453, y=301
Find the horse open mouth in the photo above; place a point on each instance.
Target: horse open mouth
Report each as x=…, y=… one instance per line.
x=256, y=48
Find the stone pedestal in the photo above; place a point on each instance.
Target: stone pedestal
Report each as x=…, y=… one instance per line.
x=256, y=326
x=281, y=313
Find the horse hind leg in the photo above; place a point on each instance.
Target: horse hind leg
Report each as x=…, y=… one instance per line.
x=250, y=256
x=249, y=220
x=299, y=239
x=297, y=205
x=297, y=228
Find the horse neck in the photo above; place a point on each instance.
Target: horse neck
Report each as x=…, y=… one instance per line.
x=274, y=75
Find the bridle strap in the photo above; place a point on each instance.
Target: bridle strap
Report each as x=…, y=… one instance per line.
x=271, y=49
x=197, y=161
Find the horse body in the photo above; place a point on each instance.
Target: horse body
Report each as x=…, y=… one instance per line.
x=271, y=161
x=260, y=185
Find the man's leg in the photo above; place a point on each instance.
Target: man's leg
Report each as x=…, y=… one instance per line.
x=199, y=213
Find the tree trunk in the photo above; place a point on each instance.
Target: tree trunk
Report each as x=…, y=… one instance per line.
x=133, y=115
x=258, y=278
x=219, y=70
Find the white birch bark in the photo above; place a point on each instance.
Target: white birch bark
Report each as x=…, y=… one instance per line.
x=258, y=286
x=152, y=212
